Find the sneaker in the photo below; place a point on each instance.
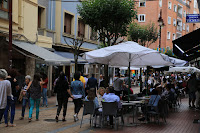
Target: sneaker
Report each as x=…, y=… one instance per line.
x=42, y=105
x=47, y=106
x=75, y=118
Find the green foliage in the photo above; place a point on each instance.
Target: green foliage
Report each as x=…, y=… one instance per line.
x=170, y=53
x=145, y=35
x=109, y=17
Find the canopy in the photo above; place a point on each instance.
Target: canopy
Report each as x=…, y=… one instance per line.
x=187, y=46
x=184, y=69
x=40, y=53
x=131, y=68
x=123, y=53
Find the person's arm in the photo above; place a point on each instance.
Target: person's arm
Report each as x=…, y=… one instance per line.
x=69, y=92
x=9, y=90
x=29, y=85
x=41, y=84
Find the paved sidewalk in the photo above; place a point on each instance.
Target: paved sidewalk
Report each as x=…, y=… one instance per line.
x=177, y=122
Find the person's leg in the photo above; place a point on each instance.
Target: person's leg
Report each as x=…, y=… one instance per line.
x=193, y=99
x=45, y=96
x=13, y=110
x=6, y=110
x=37, y=108
x=59, y=106
x=190, y=99
x=111, y=119
x=65, y=107
x=75, y=105
x=31, y=108
x=23, y=106
x=1, y=113
x=197, y=99
x=79, y=105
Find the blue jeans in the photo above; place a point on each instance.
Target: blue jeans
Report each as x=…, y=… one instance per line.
x=33, y=102
x=44, y=95
x=10, y=105
x=24, y=102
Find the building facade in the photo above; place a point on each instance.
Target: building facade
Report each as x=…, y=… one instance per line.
x=174, y=16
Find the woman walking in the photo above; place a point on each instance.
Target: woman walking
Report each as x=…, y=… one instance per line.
x=63, y=93
x=25, y=96
x=44, y=90
x=78, y=93
x=35, y=95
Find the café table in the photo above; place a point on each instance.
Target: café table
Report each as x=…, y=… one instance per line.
x=132, y=104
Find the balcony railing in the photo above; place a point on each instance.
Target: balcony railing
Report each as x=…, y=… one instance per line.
x=179, y=15
x=179, y=28
x=181, y=1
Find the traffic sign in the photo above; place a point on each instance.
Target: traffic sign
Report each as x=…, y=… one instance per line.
x=193, y=18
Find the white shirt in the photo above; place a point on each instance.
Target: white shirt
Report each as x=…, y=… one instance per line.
x=111, y=97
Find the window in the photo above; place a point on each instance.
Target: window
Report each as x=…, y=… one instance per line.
x=4, y=10
x=179, y=24
x=178, y=35
x=174, y=22
x=169, y=20
x=174, y=36
x=184, y=13
x=170, y=5
x=81, y=28
x=195, y=4
x=141, y=18
x=175, y=8
x=160, y=3
x=180, y=11
x=183, y=26
x=188, y=28
x=93, y=35
x=142, y=3
x=41, y=17
x=68, y=23
x=168, y=35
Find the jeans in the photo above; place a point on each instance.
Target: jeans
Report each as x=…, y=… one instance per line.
x=10, y=105
x=44, y=95
x=62, y=102
x=24, y=102
x=32, y=102
x=1, y=113
x=78, y=105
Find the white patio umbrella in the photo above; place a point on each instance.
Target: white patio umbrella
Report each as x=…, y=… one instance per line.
x=184, y=69
x=127, y=54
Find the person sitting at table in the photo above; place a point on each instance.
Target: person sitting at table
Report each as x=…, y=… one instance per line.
x=101, y=92
x=111, y=97
x=152, y=105
x=91, y=97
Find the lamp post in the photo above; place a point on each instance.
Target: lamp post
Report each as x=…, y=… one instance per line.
x=161, y=24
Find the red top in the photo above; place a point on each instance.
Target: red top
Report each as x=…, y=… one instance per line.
x=45, y=83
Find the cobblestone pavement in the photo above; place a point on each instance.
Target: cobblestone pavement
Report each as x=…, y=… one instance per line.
x=177, y=122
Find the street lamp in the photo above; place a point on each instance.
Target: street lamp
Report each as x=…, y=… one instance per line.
x=161, y=24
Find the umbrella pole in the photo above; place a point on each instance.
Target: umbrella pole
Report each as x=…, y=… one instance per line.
x=147, y=74
x=129, y=74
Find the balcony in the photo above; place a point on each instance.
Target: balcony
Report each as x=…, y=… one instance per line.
x=179, y=15
x=47, y=33
x=179, y=28
x=181, y=1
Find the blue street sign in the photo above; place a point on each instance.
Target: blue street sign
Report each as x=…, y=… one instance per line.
x=193, y=18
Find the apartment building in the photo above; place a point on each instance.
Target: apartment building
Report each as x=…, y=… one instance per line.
x=174, y=16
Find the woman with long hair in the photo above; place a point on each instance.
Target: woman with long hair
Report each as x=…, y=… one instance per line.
x=92, y=97
x=35, y=95
x=63, y=93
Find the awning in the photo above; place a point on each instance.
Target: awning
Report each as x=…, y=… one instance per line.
x=187, y=46
x=40, y=53
x=70, y=56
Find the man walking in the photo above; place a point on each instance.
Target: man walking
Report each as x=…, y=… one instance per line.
x=92, y=82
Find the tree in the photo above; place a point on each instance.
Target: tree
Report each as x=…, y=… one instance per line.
x=75, y=47
x=170, y=53
x=110, y=18
x=145, y=35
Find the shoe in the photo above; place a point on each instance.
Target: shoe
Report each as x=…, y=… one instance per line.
x=29, y=120
x=63, y=120
x=56, y=118
x=21, y=118
x=37, y=119
x=75, y=118
x=42, y=105
x=47, y=106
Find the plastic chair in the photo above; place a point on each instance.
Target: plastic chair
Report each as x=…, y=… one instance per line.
x=89, y=109
x=109, y=109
